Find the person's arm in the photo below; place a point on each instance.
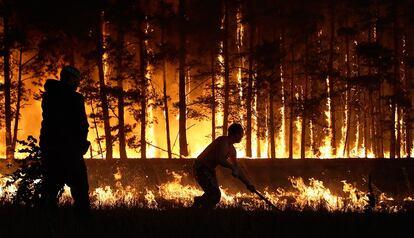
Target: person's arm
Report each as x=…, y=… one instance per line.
x=236, y=170
x=238, y=173
x=83, y=125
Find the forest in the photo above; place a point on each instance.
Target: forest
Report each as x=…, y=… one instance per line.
x=162, y=79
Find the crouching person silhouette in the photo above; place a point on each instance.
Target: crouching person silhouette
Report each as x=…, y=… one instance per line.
x=220, y=152
x=63, y=140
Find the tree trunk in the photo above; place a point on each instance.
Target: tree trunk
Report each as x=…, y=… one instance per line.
x=226, y=68
x=291, y=116
x=360, y=120
x=368, y=137
x=271, y=125
x=165, y=98
x=259, y=110
x=392, y=132
x=304, y=112
x=120, y=87
x=249, y=95
x=213, y=96
x=396, y=81
x=273, y=87
x=181, y=84
x=258, y=144
x=331, y=77
x=398, y=144
x=408, y=32
x=372, y=134
x=379, y=141
x=18, y=103
x=143, y=99
x=348, y=98
x=103, y=90
x=7, y=85
x=381, y=125
x=366, y=131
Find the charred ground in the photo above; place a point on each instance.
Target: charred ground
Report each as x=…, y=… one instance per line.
x=135, y=222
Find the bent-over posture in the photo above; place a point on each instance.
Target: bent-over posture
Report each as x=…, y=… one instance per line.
x=220, y=152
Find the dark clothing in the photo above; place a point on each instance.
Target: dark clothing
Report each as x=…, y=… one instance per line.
x=207, y=179
x=64, y=124
x=63, y=141
x=61, y=169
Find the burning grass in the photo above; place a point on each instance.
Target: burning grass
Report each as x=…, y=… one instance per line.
x=303, y=195
x=305, y=208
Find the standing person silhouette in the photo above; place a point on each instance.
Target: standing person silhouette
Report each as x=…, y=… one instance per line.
x=63, y=140
x=220, y=152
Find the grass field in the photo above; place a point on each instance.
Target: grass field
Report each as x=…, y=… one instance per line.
x=187, y=222
x=163, y=200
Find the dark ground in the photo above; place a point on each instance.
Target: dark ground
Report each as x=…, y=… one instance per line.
x=130, y=222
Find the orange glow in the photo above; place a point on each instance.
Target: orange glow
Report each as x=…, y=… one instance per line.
x=199, y=131
x=300, y=196
x=412, y=150
x=326, y=148
x=281, y=151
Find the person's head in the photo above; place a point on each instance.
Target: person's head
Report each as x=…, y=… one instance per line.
x=235, y=131
x=70, y=76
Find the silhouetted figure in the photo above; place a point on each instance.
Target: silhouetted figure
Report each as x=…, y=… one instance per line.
x=63, y=140
x=220, y=152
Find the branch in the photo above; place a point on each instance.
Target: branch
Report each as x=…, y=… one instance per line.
x=162, y=149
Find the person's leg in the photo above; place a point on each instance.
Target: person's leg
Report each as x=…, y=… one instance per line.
x=52, y=186
x=199, y=177
x=52, y=180
x=207, y=179
x=79, y=186
x=212, y=191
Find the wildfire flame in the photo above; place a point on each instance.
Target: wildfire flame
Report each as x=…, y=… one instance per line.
x=301, y=196
x=358, y=146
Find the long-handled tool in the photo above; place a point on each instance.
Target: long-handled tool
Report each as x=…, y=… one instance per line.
x=265, y=199
x=256, y=192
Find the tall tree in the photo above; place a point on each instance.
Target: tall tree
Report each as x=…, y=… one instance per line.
x=394, y=144
x=250, y=17
x=347, y=33
x=6, y=12
x=182, y=82
x=102, y=85
x=20, y=97
x=226, y=59
x=331, y=74
x=143, y=93
x=249, y=96
x=409, y=82
x=165, y=8
x=120, y=91
x=213, y=95
x=303, y=106
x=291, y=105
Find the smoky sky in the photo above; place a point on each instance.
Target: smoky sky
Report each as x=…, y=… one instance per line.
x=48, y=14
